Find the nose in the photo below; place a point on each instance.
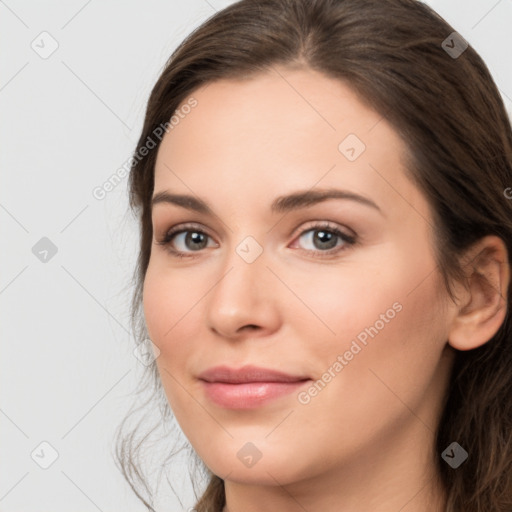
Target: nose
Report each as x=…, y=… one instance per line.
x=243, y=302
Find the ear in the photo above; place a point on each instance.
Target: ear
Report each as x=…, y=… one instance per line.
x=483, y=304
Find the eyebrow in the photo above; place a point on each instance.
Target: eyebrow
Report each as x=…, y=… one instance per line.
x=282, y=204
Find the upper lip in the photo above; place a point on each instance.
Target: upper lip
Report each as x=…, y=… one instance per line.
x=247, y=374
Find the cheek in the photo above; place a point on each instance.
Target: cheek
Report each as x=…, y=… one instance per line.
x=394, y=336
x=171, y=302
x=340, y=303
x=388, y=317
x=171, y=308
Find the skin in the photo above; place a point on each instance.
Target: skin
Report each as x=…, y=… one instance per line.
x=365, y=441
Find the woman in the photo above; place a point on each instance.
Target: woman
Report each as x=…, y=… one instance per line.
x=324, y=267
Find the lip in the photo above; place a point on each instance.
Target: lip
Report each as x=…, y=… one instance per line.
x=247, y=387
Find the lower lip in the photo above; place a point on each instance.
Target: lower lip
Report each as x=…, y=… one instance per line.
x=248, y=395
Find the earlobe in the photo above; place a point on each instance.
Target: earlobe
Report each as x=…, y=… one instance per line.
x=484, y=306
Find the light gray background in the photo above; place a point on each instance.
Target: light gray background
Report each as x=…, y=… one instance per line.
x=68, y=122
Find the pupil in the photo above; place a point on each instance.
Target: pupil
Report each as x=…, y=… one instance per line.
x=324, y=239
x=196, y=238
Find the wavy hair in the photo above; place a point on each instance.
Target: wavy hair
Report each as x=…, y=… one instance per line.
x=450, y=114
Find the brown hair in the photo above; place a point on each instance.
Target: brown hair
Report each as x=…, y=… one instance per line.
x=450, y=114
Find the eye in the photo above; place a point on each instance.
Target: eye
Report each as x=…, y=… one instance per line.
x=325, y=240
x=320, y=240
x=181, y=241
x=193, y=240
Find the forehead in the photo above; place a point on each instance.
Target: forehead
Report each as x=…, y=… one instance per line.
x=278, y=131
x=275, y=108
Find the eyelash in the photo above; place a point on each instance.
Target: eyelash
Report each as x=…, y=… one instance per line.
x=348, y=240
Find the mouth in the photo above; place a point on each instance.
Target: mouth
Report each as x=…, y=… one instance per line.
x=248, y=387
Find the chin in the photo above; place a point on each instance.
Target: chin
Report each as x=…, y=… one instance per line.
x=267, y=470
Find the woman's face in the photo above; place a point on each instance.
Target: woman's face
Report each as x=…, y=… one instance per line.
x=303, y=249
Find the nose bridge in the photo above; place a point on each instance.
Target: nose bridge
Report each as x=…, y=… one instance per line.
x=243, y=269
x=242, y=296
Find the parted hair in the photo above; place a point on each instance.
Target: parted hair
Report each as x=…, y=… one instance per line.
x=448, y=111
